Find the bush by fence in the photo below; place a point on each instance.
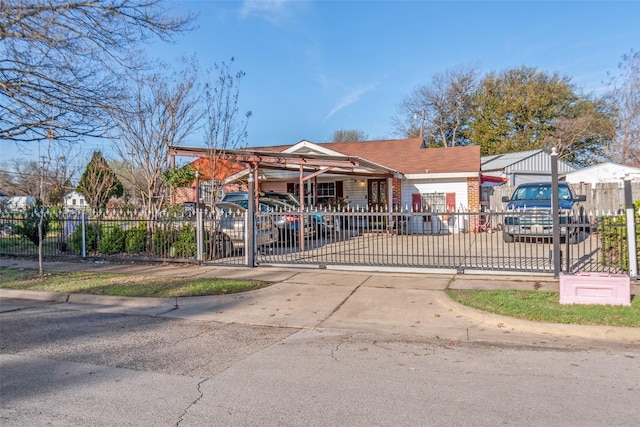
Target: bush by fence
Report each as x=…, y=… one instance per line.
x=98, y=234
x=613, y=239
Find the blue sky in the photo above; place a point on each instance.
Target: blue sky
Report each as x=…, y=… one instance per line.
x=313, y=67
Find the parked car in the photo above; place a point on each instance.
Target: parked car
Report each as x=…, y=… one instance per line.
x=287, y=198
x=285, y=217
x=322, y=223
x=229, y=232
x=529, y=212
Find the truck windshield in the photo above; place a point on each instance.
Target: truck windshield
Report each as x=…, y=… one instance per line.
x=540, y=192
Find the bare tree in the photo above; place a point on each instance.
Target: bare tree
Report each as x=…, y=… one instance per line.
x=625, y=96
x=439, y=112
x=158, y=115
x=48, y=178
x=579, y=135
x=225, y=126
x=62, y=61
x=348, y=135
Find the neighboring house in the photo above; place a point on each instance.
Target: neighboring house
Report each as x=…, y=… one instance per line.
x=400, y=174
x=519, y=168
x=76, y=201
x=603, y=172
x=16, y=203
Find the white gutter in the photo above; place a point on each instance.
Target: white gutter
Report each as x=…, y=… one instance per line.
x=442, y=175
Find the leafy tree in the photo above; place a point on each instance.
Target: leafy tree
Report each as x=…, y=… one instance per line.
x=180, y=177
x=348, y=135
x=524, y=109
x=62, y=62
x=99, y=183
x=625, y=97
x=443, y=108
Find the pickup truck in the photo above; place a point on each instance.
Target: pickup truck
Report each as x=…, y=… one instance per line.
x=529, y=212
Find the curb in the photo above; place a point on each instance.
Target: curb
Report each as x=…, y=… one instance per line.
x=501, y=323
x=34, y=295
x=71, y=298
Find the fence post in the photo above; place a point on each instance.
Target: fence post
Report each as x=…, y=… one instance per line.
x=84, y=239
x=631, y=229
x=249, y=245
x=555, y=214
x=199, y=228
x=199, y=235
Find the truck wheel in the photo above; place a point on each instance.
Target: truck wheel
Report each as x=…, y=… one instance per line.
x=508, y=238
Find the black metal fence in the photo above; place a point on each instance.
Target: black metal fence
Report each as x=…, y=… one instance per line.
x=115, y=235
x=459, y=241
x=455, y=241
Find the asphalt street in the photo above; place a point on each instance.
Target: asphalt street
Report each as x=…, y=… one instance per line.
x=317, y=348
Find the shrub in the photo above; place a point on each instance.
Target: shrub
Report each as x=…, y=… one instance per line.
x=171, y=242
x=613, y=239
x=92, y=233
x=186, y=241
x=135, y=240
x=29, y=226
x=112, y=241
x=162, y=241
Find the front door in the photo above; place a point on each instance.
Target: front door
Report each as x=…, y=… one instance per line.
x=377, y=194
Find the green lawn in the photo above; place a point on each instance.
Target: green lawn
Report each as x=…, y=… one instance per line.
x=541, y=306
x=130, y=285
x=544, y=306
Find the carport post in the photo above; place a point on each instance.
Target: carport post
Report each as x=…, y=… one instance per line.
x=631, y=229
x=555, y=214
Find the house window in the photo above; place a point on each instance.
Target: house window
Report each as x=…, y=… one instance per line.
x=326, y=191
x=434, y=202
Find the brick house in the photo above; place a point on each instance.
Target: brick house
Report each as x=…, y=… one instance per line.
x=416, y=178
x=442, y=179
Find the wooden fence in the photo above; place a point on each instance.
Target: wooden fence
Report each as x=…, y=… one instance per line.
x=601, y=198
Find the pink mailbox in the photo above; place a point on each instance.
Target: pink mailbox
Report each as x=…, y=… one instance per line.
x=595, y=288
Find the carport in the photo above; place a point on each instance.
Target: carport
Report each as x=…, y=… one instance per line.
x=265, y=165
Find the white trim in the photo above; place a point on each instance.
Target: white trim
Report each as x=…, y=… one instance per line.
x=311, y=146
x=442, y=175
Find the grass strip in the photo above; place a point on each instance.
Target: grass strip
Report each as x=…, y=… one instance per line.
x=544, y=306
x=128, y=285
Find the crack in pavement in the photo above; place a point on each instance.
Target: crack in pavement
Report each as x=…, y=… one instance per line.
x=342, y=302
x=192, y=404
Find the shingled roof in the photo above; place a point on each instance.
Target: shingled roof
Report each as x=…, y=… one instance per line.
x=407, y=155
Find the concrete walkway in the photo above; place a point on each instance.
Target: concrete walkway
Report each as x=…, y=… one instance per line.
x=403, y=304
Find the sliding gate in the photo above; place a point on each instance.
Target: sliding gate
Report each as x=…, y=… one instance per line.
x=451, y=241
